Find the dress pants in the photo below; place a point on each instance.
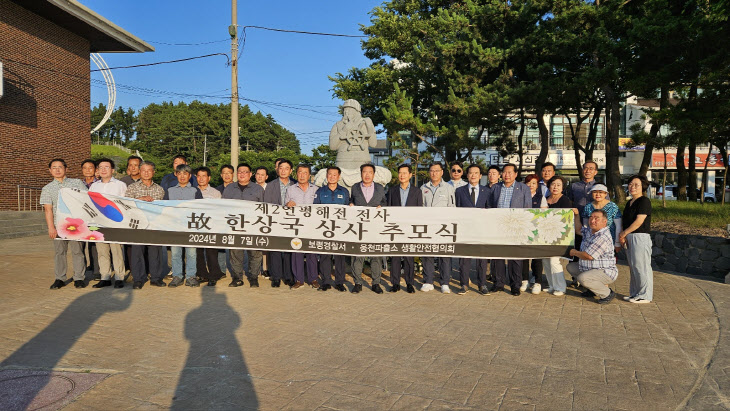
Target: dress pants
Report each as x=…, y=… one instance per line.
x=111, y=253
x=504, y=271
x=60, y=248
x=429, y=269
x=395, y=267
x=207, y=264
x=465, y=270
x=325, y=268
x=298, y=266
x=376, y=269
x=138, y=267
x=93, y=260
x=536, y=264
x=255, y=258
x=280, y=266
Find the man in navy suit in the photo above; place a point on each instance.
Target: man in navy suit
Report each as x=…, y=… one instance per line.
x=403, y=195
x=368, y=193
x=476, y=196
x=509, y=194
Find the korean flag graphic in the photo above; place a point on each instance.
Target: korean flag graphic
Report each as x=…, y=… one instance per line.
x=117, y=212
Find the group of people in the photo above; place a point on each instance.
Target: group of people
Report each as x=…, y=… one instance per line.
x=601, y=229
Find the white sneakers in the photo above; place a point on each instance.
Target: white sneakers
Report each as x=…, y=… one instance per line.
x=445, y=289
x=523, y=287
x=636, y=300
x=536, y=289
x=549, y=290
x=558, y=293
x=427, y=287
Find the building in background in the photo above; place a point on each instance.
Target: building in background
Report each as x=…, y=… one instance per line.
x=45, y=105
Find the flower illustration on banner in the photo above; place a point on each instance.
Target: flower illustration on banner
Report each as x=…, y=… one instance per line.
x=517, y=226
x=72, y=229
x=551, y=228
x=94, y=236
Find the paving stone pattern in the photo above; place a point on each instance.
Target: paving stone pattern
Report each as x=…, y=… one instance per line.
x=243, y=348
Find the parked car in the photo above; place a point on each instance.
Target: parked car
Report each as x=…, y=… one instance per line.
x=672, y=194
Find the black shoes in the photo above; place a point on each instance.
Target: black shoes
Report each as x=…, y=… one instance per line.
x=516, y=292
x=377, y=289
x=356, y=289
x=410, y=289
x=235, y=283
x=288, y=282
x=58, y=284
x=324, y=287
x=176, y=282
x=462, y=290
x=275, y=283
x=97, y=277
x=80, y=284
x=587, y=293
x=253, y=282
x=608, y=298
x=340, y=287
x=137, y=285
x=483, y=290
x=395, y=288
x=102, y=284
x=494, y=289
x=158, y=283
x=212, y=283
x=266, y=274
x=119, y=284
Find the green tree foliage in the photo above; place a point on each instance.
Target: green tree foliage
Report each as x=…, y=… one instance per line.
x=199, y=130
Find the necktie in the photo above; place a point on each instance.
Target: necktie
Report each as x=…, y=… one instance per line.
x=473, y=196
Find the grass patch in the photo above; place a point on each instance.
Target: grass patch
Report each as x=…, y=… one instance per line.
x=99, y=151
x=708, y=215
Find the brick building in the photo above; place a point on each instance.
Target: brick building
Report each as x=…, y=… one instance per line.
x=45, y=102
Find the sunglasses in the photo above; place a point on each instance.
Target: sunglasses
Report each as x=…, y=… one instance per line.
x=455, y=170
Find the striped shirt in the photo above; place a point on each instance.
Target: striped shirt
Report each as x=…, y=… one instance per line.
x=598, y=245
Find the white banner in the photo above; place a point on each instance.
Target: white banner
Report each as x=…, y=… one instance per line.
x=325, y=229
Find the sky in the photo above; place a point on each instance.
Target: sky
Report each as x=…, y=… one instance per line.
x=279, y=68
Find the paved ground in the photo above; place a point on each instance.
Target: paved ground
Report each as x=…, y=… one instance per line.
x=222, y=348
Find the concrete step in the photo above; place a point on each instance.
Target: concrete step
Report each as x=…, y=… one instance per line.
x=16, y=224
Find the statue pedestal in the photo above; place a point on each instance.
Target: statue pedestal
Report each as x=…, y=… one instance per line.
x=350, y=177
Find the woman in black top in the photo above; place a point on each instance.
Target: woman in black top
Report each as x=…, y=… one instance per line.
x=538, y=201
x=553, y=268
x=637, y=242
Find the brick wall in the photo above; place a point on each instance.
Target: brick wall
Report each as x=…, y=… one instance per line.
x=44, y=112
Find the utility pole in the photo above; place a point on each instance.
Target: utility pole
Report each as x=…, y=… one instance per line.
x=233, y=31
x=205, y=150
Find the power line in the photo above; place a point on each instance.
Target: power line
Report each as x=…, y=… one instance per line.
x=305, y=32
x=168, y=62
x=188, y=44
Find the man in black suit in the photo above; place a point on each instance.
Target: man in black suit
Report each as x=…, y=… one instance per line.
x=509, y=194
x=275, y=193
x=367, y=193
x=403, y=195
x=475, y=196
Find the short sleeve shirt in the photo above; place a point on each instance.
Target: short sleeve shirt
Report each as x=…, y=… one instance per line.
x=641, y=205
x=49, y=193
x=598, y=245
